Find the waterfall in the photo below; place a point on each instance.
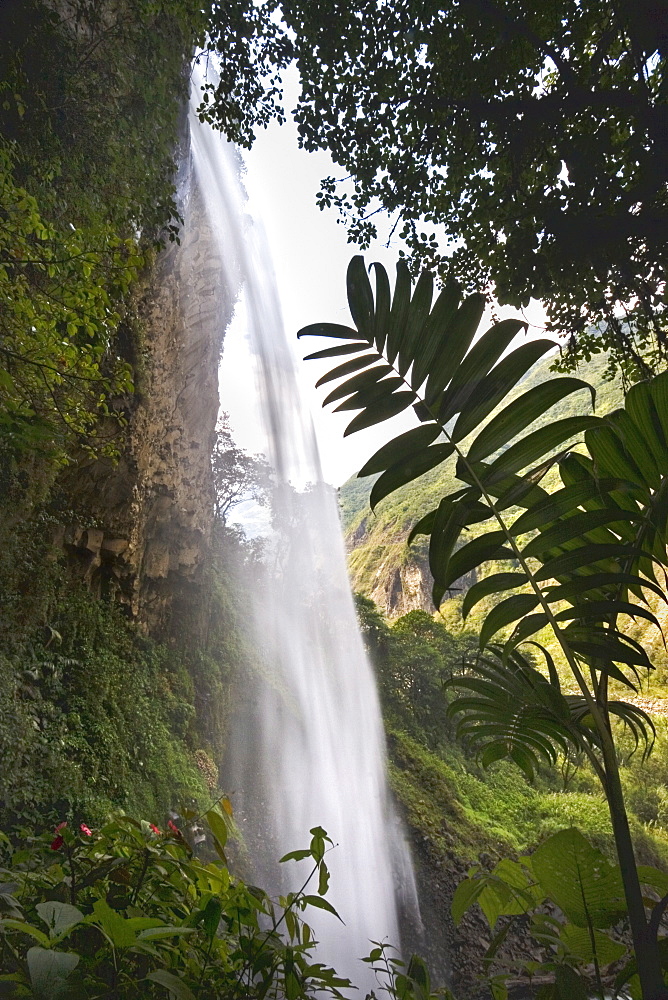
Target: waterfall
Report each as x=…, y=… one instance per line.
x=307, y=746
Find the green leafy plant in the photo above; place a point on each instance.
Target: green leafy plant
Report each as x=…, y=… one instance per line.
x=399, y=979
x=129, y=911
x=574, y=897
x=581, y=560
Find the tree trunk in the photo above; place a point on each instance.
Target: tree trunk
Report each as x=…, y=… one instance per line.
x=644, y=940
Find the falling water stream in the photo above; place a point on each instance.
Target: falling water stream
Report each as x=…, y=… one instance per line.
x=307, y=746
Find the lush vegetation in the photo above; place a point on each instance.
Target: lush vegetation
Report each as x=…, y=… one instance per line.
x=129, y=911
x=581, y=558
x=517, y=128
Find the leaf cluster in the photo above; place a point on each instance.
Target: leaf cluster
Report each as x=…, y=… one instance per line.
x=517, y=143
x=575, y=899
x=129, y=909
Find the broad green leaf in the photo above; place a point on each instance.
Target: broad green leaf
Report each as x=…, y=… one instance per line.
x=49, y=971
x=529, y=625
x=576, y=526
x=635, y=445
x=399, y=448
x=578, y=941
x=519, y=414
x=323, y=879
x=610, y=456
x=453, y=346
x=495, y=900
x=59, y=917
x=534, y=446
x=602, y=645
x=398, y=312
x=466, y=894
x=562, y=502
x=587, y=555
x=654, y=877
x=335, y=330
x=601, y=610
x=296, y=855
x=335, y=352
x=569, y=985
x=211, y=917
x=177, y=988
x=598, y=581
x=417, y=971
x=476, y=365
x=348, y=368
x=579, y=879
x=218, y=826
x=505, y=613
x=424, y=526
x=370, y=394
x=473, y=554
x=659, y=390
x=119, y=932
x=382, y=313
x=436, y=333
x=490, y=585
x=496, y=386
x=382, y=410
x=364, y=380
x=360, y=296
x=26, y=928
x=407, y=470
x=445, y=531
x=321, y=904
x=158, y=933
x=415, y=320
x=639, y=404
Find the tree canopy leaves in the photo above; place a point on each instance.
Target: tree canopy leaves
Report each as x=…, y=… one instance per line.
x=519, y=142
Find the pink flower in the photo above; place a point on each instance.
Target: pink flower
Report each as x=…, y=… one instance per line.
x=86, y=830
x=61, y=826
x=155, y=829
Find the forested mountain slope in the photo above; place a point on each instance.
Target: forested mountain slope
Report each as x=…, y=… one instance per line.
x=381, y=565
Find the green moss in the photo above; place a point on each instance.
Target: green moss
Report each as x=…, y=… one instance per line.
x=94, y=717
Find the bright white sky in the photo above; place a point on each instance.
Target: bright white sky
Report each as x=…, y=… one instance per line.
x=310, y=256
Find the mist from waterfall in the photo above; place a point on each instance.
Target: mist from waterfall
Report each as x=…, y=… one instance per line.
x=307, y=746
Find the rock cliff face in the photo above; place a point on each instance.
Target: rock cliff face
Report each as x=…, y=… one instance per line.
x=152, y=511
x=396, y=578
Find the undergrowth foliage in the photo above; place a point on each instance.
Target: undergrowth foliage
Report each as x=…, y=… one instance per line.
x=582, y=559
x=129, y=911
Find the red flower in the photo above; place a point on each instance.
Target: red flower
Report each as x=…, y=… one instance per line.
x=155, y=829
x=57, y=842
x=175, y=830
x=86, y=830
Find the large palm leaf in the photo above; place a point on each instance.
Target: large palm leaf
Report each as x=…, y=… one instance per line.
x=583, y=555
